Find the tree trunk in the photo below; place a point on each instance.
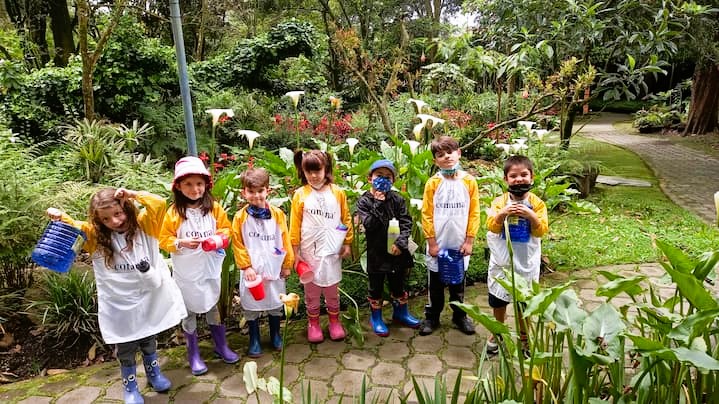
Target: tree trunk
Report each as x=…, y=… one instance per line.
x=200, y=46
x=37, y=27
x=704, y=107
x=566, y=125
x=61, y=25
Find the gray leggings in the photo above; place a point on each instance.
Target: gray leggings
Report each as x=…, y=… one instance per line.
x=189, y=323
x=126, y=351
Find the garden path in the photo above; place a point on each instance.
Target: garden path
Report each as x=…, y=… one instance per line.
x=689, y=177
x=334, y=369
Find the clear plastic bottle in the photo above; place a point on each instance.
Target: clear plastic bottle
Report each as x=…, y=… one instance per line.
x=392, y=233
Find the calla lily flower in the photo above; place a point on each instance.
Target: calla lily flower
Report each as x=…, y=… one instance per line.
x=521, y=141
x=518, y=146
x=418, y=128
x=352, y=142
x=505, y=147
x=526, y=124
x=413, y=145
x=291, y=302
x=295, y=96
x=250, y=135
x=335, y=102
x=417, y=203
x=430, y=118
x=540, y=133
x=418, y=104
x=218, y=112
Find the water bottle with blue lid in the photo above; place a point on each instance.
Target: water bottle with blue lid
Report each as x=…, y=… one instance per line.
x=58, y=246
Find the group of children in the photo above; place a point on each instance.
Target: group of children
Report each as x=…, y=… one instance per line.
x=138, y=297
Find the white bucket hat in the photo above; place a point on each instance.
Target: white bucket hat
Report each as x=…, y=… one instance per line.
x=190, y=165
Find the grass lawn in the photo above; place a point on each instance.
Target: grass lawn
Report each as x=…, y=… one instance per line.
x=631, y=217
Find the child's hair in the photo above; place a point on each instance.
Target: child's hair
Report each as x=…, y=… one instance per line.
x=313, y=160
x=445, y=144
x=181, y=201
x=255, y=178
x=104, y=199
x=518, y=160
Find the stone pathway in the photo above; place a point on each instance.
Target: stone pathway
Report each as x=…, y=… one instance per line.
x=335, y=370
x=689, y=177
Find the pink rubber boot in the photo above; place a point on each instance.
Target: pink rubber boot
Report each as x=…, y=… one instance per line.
x=314, y=331
x=337, y=332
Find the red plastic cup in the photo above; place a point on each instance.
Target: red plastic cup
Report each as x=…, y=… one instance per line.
x=304, y=270
x=215, y=242
x=257, y=288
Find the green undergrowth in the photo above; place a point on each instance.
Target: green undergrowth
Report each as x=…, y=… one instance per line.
x=631, y=218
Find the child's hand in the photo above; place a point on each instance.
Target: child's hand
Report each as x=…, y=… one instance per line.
x=189, y=242
x=54, y=213
x=432, y=248
x=125, y=194
x=395, y=250
x=466, y=248
x=345, y=251
x=250, y=274
x=378, y=195
x=520, y=209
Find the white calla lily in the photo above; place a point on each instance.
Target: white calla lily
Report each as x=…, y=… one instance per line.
x=418, y=128
x=417, y=203
x=218, y=112
x=520, y=141
x=413, y=145
x=352, y=142
x=431, y=118
x=418, y=104
x=250, y=135
x=295, y=96
x=526, y=124
x=504, y=146
x=540, y=133
x=518, y=146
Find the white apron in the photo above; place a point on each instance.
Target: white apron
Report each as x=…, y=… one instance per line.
x=197, y=272
x=133, y=305
x=263, y=240
x=527, y=254
x=451, y=215
x=321, y=239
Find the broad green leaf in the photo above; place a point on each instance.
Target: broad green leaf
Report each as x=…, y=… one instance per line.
x=539, y=302
x=488, y=321
x=679, y=261
x=602, y=328
x=630, y=286
x=567, y=314
x=645, y=344
x=693, y=325
x=693, y=290
x=631, y=62
x=706, y=264
x=697, y=358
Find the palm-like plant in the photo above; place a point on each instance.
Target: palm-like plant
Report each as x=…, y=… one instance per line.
x=93, y=144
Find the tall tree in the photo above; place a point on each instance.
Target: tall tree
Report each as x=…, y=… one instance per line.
x=61, y=25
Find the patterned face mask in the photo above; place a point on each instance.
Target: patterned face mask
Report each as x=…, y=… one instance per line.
x=449, y=171
x=382, y=184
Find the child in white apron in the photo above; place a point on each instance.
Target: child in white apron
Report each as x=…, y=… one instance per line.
x=450, y=221
x=193, y=218
x=136, y=296
x=261, y=244
x=320, y=232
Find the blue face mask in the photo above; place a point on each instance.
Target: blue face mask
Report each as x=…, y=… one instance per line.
x=382, y=184
x=449, y=172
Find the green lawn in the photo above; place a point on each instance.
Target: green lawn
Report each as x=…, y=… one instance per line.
x=631, y=217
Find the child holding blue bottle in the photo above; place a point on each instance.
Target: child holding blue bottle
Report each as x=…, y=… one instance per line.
x=526, y=217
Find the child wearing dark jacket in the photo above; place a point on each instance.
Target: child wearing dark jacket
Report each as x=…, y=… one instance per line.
x=376, y=208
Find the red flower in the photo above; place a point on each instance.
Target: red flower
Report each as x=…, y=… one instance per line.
x=491, y=125
x=223, y=119
x=204, y=156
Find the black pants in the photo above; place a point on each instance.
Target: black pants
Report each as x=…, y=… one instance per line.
x=436, y=298
x=126, y=350
x=376, y=284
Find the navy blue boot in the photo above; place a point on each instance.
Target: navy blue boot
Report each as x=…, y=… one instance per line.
x=401, y=312
x=275, y=336
x=131, y=394
x=376, y=321
x=255, y=348
x=157, y=380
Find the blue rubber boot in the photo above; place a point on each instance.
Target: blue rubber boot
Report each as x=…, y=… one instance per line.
x=157, y=380
x=221, y=348
x=197, y=365
x=275, y=335
x=376, y=321
x=401, y=312
x=131, y=394
x=255, y=348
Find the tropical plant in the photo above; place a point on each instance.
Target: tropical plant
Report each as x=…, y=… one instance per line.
x=92, y=145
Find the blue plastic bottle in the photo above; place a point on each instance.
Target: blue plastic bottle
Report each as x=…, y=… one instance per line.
x=58, y=246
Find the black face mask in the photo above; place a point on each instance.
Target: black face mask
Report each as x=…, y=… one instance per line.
x=519, y=189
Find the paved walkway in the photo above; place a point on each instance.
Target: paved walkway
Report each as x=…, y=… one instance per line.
x=336, y=369
x=687, y=176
